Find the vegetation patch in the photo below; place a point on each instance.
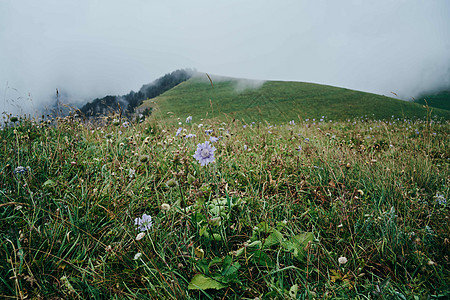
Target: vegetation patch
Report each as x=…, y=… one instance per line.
x=311, y=208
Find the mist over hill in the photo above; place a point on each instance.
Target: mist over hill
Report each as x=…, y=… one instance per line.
x=126, y=104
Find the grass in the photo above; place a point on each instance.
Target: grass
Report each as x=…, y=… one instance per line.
x=436, y=100
x=278, y=102
x=265, y=220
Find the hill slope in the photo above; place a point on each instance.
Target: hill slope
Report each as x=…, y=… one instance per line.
x=127, y=103
x=277, y=101
x=436, y=100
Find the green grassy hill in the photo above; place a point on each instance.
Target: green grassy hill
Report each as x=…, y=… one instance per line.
x=436, y=100
x=277, y=101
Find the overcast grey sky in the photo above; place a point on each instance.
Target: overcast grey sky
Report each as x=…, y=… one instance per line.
x=93, y=48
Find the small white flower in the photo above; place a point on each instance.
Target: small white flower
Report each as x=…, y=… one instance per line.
x=137, y=256
x=165, y=207
x=342, y=260
x=140, y=236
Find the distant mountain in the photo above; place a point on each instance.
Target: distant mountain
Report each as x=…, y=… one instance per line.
x=276, y=102
x=439, y=99
x=126, y=104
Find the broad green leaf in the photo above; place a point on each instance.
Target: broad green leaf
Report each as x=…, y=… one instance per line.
x=274, y=238
x=49, y=183
x=202, y=264
x=201, y=282
x=233, y=268
x=263, y=227
x=262, y=259
x=215, y=260
x=299, y=242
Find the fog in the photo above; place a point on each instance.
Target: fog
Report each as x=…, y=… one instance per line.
x=88, y=49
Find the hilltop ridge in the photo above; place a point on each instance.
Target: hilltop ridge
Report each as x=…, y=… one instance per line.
x=277, y=101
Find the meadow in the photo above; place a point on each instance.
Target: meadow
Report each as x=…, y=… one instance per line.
x=301, y=209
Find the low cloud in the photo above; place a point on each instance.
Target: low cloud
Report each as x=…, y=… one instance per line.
x=239, y=84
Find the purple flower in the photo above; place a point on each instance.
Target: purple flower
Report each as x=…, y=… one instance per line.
x=188, y=119
x=440, y=199
x=292, y=122
x=143, y=223
x=20, y=170
x=204, y=153
x=190, y=135
x=299, y=148
x=209, y=131
x=213, y=139
x=306, y=140
x=178, y=131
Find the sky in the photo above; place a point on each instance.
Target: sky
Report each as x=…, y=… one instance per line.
x=89, y=49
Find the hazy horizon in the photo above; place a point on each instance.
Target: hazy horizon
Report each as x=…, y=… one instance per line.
x=90, y=49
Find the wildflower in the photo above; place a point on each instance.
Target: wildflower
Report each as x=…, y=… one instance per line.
x=204, y=153
x=209, y=131
x=342, y=260
x=306, y=140
x=416, y=131
x=165, y=207
x=137, y=256
x=188, y=119
x=143, y=223
x=245, y=126
x=292, y=122
x=245, y=147
x=140, y=236
x=131, y=173
x=299, y=148
x=20, y=170
x=440, y=199
x=178, y=131
x=213, y=139
x=171, y=183
x=190, y=135
x=125, y=124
